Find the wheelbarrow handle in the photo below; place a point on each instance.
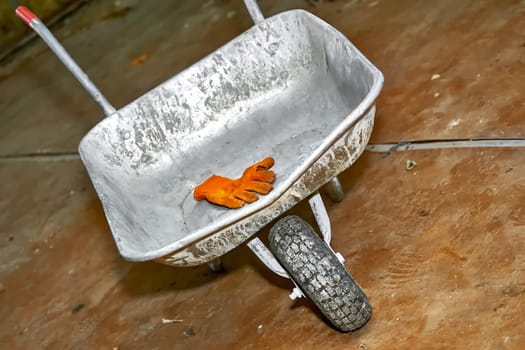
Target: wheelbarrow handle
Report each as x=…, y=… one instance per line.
x=40, y=28
x=25, y=14
x=254, y=11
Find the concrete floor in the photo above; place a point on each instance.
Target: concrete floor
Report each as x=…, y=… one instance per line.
x=438, y=249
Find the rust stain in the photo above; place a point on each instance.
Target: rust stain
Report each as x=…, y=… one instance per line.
x=138, y=60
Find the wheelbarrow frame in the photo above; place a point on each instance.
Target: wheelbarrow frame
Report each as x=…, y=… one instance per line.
x=338, y=151
x=131, y=140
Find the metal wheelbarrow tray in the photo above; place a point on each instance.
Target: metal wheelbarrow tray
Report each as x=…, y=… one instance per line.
x=291, y=87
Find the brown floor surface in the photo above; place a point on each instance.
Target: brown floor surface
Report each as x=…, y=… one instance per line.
x=438, y=249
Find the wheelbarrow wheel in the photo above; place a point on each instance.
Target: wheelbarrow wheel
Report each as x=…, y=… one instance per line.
x=317, y=271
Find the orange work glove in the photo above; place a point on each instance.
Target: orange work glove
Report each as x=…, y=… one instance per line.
x=234, y=193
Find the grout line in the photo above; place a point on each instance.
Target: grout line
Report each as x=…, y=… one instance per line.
x=381, y=148
x=444, y=144
x=40, y=158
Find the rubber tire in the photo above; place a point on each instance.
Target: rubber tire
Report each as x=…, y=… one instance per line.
x=317, y=271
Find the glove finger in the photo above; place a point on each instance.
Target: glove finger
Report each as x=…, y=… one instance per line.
x=263, y=175
x=246, y=196
x=224, y=198
x=266, y=163
x=229, y=202
x=259, y=187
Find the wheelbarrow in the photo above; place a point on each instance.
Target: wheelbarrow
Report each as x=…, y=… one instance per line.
x=292, y=87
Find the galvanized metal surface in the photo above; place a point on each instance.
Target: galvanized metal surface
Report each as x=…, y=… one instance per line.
x=338, y=158
x=290, y=87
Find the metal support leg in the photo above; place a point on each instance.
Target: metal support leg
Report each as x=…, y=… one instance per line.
x=323, y=221
x=216, y=265
x=265, y=255
x=334, y=189
x=267, y=258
